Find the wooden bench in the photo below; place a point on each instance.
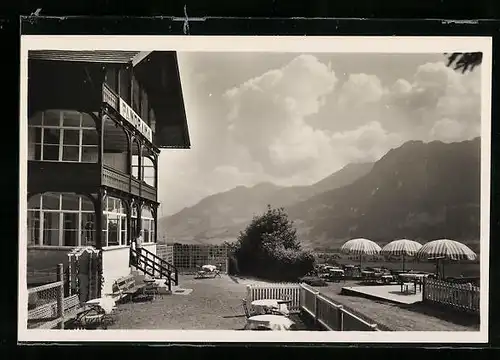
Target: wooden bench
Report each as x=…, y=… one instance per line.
x=126, y=287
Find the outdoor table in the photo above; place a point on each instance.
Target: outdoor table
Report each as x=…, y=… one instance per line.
x=272, y=322
x=106, y=303
x=337, y=270
x=415, y=278
x=209, y=268
x=387, y=278
x=264, y=306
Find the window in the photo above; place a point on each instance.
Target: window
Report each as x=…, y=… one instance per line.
x=114, y=229
x=62, y=135
x=148, y=171
x=61, y=219
x=112, y=78
x=148, y=224
x=125, y=85
x=144, y=107
x=135, y=159
x=115, y=147
x=136, y=95
x=152, y=120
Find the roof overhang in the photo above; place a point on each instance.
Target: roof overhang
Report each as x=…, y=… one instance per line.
x=90, y=56
x=161, y=78
x=139, y=57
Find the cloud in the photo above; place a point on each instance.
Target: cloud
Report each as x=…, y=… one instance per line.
x=298, y=122
x=267, y=114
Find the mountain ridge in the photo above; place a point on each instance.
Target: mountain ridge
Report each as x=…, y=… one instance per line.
x=418, y=190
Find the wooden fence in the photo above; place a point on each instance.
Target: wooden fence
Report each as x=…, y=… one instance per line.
x=324, y=312
x=331, y=316
x=463, y=297
x=276, y=291
x=47, y=306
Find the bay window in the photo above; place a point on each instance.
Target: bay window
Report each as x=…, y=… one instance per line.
x=114, y=231
x=61, y=219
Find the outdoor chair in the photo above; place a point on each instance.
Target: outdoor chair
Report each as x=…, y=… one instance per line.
x=248, y=312
x=91, y=319
x=151, y=291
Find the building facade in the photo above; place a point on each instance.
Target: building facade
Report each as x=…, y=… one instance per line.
x=96, y=123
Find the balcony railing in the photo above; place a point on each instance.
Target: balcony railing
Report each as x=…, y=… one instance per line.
x=109, y=97
x=120, y=181
x=135, y=187
x=148, y=192
x=115, y=179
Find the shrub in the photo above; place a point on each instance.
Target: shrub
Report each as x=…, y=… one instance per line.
x=269, y=248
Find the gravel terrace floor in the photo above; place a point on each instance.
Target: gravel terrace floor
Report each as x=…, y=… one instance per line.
x=393, y=317
x=215, y=304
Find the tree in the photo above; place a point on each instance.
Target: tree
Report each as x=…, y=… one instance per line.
x=464, y=61
x=268, y=247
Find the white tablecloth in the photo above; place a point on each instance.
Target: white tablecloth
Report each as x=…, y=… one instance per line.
x=263, y=305
x=272, y=322
x=108, y=304
x=209, y=268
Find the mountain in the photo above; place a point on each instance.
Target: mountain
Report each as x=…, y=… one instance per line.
x=220, y=217
x=421, y=191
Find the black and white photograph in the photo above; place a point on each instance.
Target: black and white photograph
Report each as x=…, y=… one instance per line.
x=331, y=189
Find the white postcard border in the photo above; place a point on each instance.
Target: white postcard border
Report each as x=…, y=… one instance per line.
x=295, y=44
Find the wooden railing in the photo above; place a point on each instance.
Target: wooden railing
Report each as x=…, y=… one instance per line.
x=331, y=316
x=135, y=187
x=324, y=312
x=123, y=182
x=151, y=266
x=115, y=179
x=49, y=307
x=148, y=192
x=463, y=297
x=109, y=97
x=276, y=291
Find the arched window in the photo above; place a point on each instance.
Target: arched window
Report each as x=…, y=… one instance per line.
x=62, y=135
x=135, y=159
x=148, y=167
x=61, y=219
x=114, y=227
x=115, y=146
x=148, y=224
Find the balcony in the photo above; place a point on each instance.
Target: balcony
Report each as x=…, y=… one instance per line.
x=123, y=182
x=109, y=97
x=126, y=112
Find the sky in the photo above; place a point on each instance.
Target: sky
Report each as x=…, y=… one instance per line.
x=293, y=119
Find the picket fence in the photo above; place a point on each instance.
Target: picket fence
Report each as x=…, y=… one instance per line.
x=305, y=299
x=463, y=297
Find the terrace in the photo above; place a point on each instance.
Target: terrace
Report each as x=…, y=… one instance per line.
x=216, y=304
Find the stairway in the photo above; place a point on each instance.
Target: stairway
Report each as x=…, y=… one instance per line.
x=150, y=264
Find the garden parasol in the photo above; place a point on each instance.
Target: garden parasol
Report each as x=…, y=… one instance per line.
x=402, y=247
x=446, y=249
x=360, y=247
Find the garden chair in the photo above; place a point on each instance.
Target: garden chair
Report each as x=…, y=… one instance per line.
x=248, y=313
